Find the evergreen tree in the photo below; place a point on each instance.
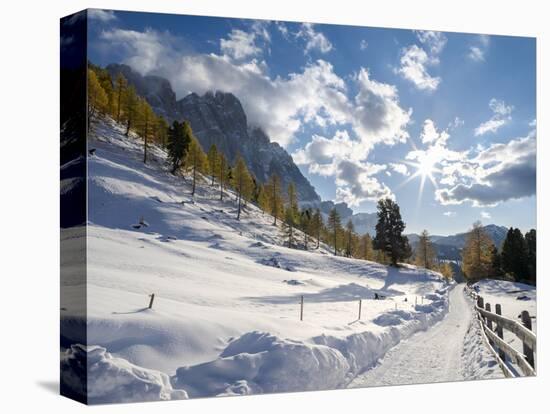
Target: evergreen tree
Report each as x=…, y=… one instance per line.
x=531, y=242
x=496, y=264
x=196, y=160
x=178, y=144
x=476, y=254
x=334, y=225
x=514, y=255
x=350, y=230
x=120, y=89
x=425, y=252
x=317, y=226
x=97, y=98
x=273, y=188
x=289, y=225
x=213, y=162
x=389, y=232
x=366, y=247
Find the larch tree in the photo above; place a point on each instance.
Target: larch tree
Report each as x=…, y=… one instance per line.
x=273, y=188
x=146, y=117
x=196, y=161
x=446, y=270
x=350, y=231
x=263, y=199
x=367, y=252
x=242, y=183
x=222, y=173
x=97, y=98
x=213, y=162
x=317, y=226
x=425, y=255
x=389, y=232
x=476, y=254
x=120, y=89
x=130, y=108
x=334, y=226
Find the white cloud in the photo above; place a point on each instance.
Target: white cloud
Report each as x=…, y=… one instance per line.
x=449, y=214
x=101, y=15
x=477, y=51
x=314, y=40
x=430, y=135
x=485, y=215
x=414, y=61
x=400, y=168
x=434, y=41
x=501, y=172
x=355, y=183
x=240, y=45
x=363, y=45
x=502, y=115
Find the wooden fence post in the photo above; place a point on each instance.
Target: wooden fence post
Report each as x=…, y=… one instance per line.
x=527, y=350
x=302, y=308
x=500, y=333
x=359, y=317
x=152, y=295
x=489, y=322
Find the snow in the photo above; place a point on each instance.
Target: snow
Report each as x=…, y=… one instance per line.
x=226, y=315
x=111, y=379
x=449, y=351
x=514, y=298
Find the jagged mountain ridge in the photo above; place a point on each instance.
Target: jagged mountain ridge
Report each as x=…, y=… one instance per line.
x=219, y=118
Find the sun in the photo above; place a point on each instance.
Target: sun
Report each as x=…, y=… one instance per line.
x=425, y=168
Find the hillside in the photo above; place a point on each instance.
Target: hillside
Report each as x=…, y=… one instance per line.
x=219, y=118
x=225, y=319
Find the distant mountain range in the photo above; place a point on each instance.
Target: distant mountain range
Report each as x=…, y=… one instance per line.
x=219, y=118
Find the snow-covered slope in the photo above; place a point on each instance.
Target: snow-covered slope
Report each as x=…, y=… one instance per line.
x=226, y=314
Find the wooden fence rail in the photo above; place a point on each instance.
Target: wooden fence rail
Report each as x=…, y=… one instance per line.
x=493, y=336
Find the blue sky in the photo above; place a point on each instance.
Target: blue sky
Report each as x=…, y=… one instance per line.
x=365, y=112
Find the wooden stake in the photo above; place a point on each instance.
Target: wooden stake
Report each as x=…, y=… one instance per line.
x=527, y=350
x=500, y=334
x=359, y=317
x=152, y=295
x=302, y=308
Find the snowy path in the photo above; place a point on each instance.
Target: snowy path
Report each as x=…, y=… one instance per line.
x=431, y=356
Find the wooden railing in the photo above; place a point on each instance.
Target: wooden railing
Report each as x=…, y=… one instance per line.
x=492, y=328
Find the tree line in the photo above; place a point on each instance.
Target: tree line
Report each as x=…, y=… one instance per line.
x=515, y=260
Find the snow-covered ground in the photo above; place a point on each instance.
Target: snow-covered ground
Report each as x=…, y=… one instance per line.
x=225, y=318
x=513, y=298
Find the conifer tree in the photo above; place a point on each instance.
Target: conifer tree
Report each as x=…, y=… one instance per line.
x=178, y=144
x=146, y=117
x=222, y=173
x=476, y=254
x=242, y=182
x=97, y=98
x=531, y=242
x=273, y=188
x=120, y=88
x=130, y=108
x=514, y=255
x=317, y=226
x=334, y=225
x=306, y=221
x=196, y=160
x=213, y=162
x=425, y=252
x=447, y=271
x=350, y=230
x=366, y=247
x=263, y=199
x=389, y=232
x=496, y=263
